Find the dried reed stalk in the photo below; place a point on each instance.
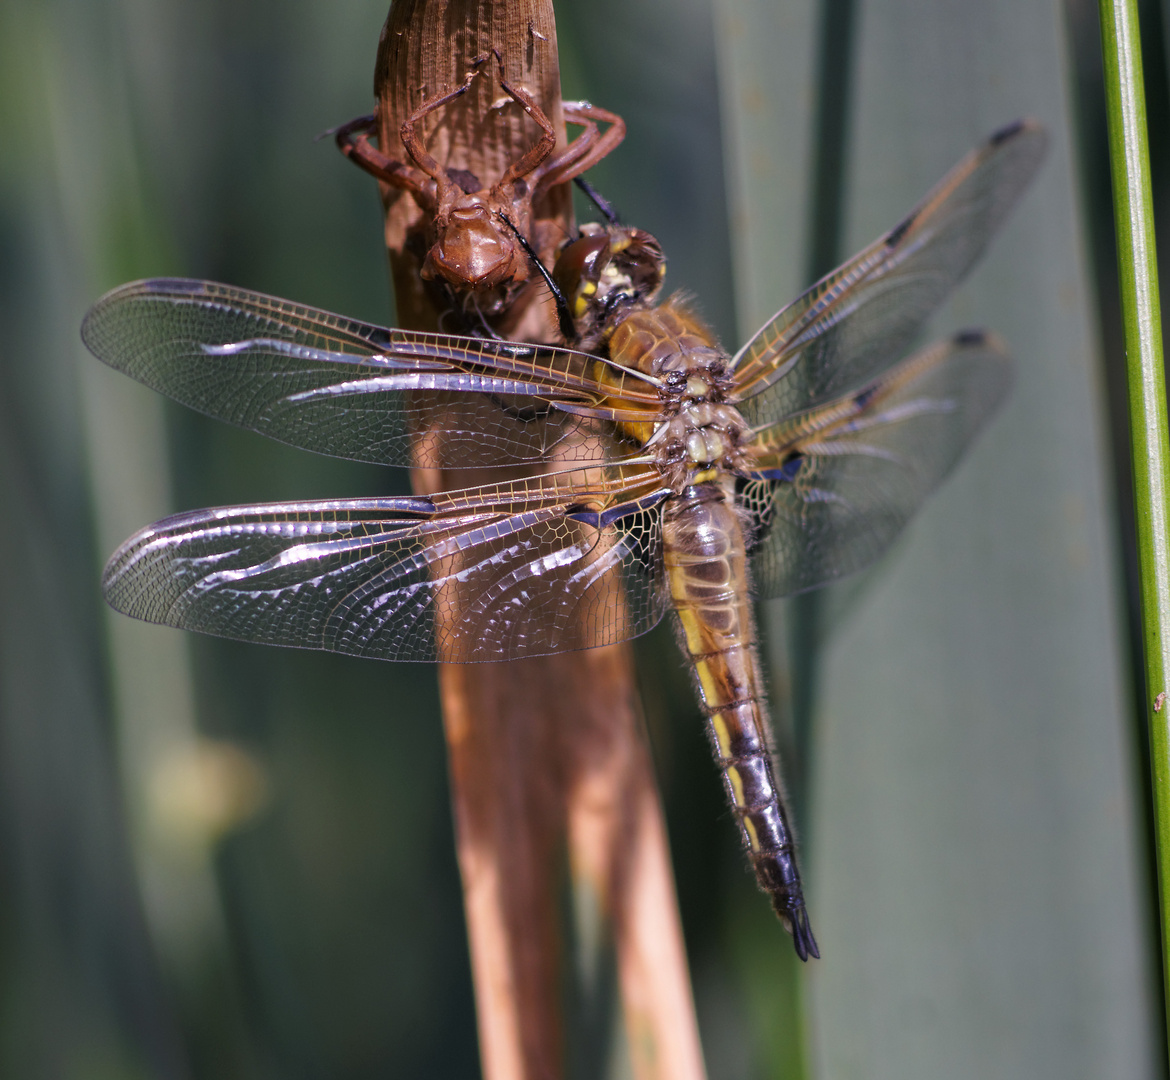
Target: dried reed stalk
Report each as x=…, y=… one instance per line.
x=547, y=756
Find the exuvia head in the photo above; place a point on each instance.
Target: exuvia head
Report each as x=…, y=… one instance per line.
x=470, y=249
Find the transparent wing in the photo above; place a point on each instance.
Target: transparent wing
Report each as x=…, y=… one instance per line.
x=863, y=316
x=542, y=566
x=337, y=386
x=834, y=486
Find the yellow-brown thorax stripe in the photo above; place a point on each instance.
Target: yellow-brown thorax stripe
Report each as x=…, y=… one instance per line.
x=650, y=340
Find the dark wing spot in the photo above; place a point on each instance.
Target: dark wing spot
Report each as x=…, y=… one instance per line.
x=580, y=512
x=970, y=339
x=861, y=400
x=791, y=468
x=786, y=473
x=602, y=519
x=173, y=284
x=895, y=235
x=1007, y=132
x=647, y=502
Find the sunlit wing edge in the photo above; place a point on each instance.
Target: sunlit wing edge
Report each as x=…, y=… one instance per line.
x=464, y=577
x=339, y=386
x=775, y=352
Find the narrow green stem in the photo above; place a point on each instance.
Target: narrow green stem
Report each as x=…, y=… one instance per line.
x=1133, y=210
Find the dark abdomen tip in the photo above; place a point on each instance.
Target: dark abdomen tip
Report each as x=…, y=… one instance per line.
x=796, y=923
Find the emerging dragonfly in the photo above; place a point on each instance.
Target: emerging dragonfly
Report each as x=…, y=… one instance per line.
x=659, y=466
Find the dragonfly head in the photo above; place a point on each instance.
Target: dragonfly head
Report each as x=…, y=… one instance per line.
x=603, y=271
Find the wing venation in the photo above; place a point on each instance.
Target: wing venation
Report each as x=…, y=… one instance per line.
x=862, y=317
x=475, y=575
x=834, y=486
x=354, y=390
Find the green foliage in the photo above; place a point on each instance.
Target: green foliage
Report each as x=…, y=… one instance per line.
x=1133, y=199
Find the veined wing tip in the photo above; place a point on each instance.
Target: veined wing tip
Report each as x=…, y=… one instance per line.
x=115, y=592
x=1029, y=133
x=128, y=290
x=1022, y=125
x=170, y=285
x=979, y=338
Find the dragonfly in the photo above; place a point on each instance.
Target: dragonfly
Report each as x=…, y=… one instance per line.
x=648, y=472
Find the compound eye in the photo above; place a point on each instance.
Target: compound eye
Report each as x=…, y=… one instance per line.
x=642, y=262
x=579, y=267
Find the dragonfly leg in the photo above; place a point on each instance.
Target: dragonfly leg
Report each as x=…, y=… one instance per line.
x=565, y=321
x=536, y=154
x=587, y=149
x=413, y=141
x=355, y=141
x=600, y=201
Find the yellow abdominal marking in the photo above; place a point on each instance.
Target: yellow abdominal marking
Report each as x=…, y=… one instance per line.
x=704, y=476
x=707, y=683
x=750, y=828
x=722, y=735
x=736, y=784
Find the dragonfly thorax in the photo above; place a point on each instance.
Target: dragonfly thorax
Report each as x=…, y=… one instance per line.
x=702, y=433
x=703, y=437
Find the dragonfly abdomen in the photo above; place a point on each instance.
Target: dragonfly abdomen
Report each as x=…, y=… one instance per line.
x=706, y=564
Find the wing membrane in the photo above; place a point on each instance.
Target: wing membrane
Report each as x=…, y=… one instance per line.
x=522, y=569
x=861, y=317
x=835, y=485
x=338, y=386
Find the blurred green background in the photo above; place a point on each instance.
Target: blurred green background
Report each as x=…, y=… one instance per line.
x=221, y=860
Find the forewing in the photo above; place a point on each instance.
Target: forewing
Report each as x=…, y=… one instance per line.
x=853, y=323
x=354, y=390
x=835, y=485
x=480, y=574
